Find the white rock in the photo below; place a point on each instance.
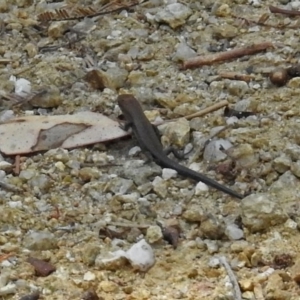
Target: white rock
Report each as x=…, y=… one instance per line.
x=200, y=188
x=89, y=276
x=11, y=288
x=233, y=232
x=212, y=152
x=141, y=256
x=22, y=86
x=168, y=173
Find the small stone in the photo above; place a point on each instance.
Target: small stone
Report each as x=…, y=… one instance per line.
x=183, y=52
x=233, y=232
x=201, y=188
x=40, y=240
x=282, y=164
x=160, y=187
x=168, y=173
x=89, y=253
x=261, y=211
x=87, y=174
x=223, y=10
x=211, y=229
x=154, y=234
x=244, y=155
x=141, y=256
x=173, y=14
x=212, y=246
x=89, y=276
x=295, y=168
x=113, y=261
x=193, y=214
x=48, y=99
x=57, y=29
x=90, y=295
x=31, y=49
x=41, y=181
x=294, y=83
x=5, y=166
x=11, y=288
x=212, y=152
x=108, y=286
x=238, y=88
x=27, y=174
x=246, y=285
x=41, y=267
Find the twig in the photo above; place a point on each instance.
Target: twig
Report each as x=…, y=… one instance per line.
x=236, y=76
x=5, y=61
x=199, y=61
x=17, y=164
x=200, y=113
x=208, y=110
x=277, y=10
x=235, y=284
x=6, y=256
x=132, y=225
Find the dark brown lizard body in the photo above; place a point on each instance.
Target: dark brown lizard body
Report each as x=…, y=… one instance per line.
x=149, y=141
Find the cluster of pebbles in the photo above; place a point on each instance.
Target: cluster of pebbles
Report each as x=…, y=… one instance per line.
x=106, y=224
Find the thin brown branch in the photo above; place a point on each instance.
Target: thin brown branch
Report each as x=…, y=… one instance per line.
x=224, y=56
x=17, y=166
x=207, y=110
x=236, y=76
x=277, y=10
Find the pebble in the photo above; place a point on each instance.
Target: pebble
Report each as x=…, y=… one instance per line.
x=282, y=163
x=154, y=234
x=212, y=152
x=295, y=168
x=40, y=240
x=108, y=286
x=11, y=288
x=173, y=14
x=233, y=232
x=141, y=256
x=201, y=188
x=168, y=173
x=183, y=52
x=89, y=276
x=261, y=211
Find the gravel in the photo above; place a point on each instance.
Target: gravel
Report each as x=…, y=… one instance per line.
x=92, y=212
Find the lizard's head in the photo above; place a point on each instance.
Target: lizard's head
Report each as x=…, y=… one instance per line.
x=126, y=100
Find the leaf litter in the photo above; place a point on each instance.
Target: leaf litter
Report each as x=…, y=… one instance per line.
x=30, y=134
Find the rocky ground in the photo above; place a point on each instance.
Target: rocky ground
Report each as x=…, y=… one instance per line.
x=104, y=224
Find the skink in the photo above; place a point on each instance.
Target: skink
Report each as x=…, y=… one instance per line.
x=149, y=141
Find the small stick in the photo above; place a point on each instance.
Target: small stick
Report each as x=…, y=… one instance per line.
x=235, y=284
x=277, y=10
x=6, y=256
x=199, y=61
x=207, y=110
x=17, y=164
x=236, y=76
x=200, y=113
x=5, y=61
x=132, y=225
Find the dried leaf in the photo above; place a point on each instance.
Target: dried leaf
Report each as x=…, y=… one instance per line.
x=35, y=133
